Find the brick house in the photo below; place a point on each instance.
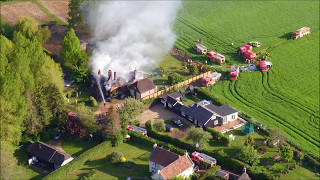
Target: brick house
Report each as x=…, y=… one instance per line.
x=143, y=88
x=164, y=164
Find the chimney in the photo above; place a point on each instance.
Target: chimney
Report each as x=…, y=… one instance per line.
x=197, y=104
x=109, y=75
x=185, y=152
x=115, y=75
x=135, y=74
x=244, y=169
x=99, y=72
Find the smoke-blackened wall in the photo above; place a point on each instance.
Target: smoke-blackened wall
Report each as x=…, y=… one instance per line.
x=131, y=34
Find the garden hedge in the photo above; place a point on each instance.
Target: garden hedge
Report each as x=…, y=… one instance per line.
x=219, y=136
x=78, y=162
x=203, y=94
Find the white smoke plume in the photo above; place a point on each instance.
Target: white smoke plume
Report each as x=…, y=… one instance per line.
x=131, y=34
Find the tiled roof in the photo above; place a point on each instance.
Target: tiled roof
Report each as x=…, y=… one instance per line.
x=221, y=110
x=176, y=168
x=143, y=85
x=198, y=113
x=45, y=152
x=162, y=156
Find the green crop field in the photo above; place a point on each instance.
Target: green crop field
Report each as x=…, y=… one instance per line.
x=287, y=97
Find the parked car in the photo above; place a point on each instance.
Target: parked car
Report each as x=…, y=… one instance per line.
x=57, y=136
x=177, y=121
x=255, y=44
x=164, y=87
x=169, y=128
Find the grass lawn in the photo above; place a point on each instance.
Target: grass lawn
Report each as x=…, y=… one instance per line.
x=77, y=146
x=84, y=98
x=191, y=100
x=301, y=173
x=169, y=65
x=287, y=97
x=133, y=152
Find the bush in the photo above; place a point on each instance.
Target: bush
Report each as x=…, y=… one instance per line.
x=90, y=175
x=159, y=126
x=174, y=78
x=93, y=101
x=79, y=162
x=114, y=157
x=219, y=136
x=136, y=123
x=118, y=139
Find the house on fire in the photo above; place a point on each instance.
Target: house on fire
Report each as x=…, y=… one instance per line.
x=164, y=164
x=142, y=88
x=45, y=155
x=203, y=113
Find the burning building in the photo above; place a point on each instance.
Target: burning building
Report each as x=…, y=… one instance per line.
x=111, y=85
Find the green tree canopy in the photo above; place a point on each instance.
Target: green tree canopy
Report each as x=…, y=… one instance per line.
x=70, y=52
x=159, y=126
x=248, y=155
x=174, y=78
x=30, y=29
x=112, y=124
x=286, y=153
x=75, y=17
x=130, y=109
x=193, y=70
x=198, y=135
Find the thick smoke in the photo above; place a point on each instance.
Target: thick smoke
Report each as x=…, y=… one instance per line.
x=131, y=34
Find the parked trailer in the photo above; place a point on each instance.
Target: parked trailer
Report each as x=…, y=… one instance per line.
x=300, y=32
x=201, y=49
x=211, y=79
x=264, y=65
x=137, y=129
x=203, y=161
x=234, y=73
x=216, y=57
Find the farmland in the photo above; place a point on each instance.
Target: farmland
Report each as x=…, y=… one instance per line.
x=285, y=98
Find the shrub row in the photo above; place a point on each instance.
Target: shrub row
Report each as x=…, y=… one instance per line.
x=79, y=162
x=311, y=161
x=226, y=162
x=203, y=94
x=219, y=136
x=141, y=139
x=90, y=175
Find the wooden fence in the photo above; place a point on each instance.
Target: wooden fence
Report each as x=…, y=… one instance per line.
x=183, y=83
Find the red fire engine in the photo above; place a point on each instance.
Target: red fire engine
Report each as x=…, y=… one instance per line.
x=203, y=161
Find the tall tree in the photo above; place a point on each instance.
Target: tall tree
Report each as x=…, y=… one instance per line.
x=31, y=30
x=70, y=52
x=130, y=109
x=112, y=123
x=248, y=155
x=286, y=153
x=75, y=17
x=198, y=135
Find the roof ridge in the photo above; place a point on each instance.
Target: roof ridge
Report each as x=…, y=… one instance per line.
x=52, y=155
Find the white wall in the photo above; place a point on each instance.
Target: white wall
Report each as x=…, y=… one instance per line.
x=187, y=172
x=67, y=161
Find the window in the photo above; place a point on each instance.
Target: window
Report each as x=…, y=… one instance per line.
x=183, y=114
x=233, y=116
x=190, y=118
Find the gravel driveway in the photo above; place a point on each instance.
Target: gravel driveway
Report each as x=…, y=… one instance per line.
x=158, y=112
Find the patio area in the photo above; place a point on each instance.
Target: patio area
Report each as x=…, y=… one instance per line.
x=230, y=125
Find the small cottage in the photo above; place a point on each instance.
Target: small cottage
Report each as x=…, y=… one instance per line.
x=164, y=164
x=143, y=88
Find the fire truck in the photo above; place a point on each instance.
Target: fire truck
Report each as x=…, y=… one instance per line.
x=246, y=52
x=300, y=32
x=264, y=65
x=203, y=161
x=211, y=79
x=215, y=57
x=201, y=49
x=137, y=129
x=234, y=73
